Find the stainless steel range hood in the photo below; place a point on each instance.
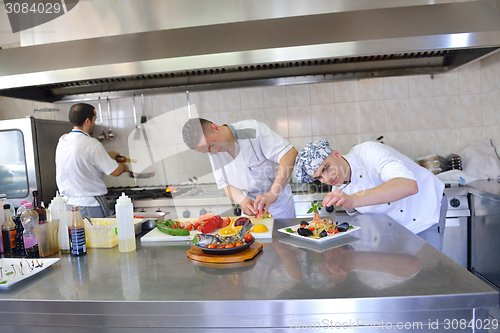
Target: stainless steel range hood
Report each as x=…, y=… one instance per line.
x=374, y=42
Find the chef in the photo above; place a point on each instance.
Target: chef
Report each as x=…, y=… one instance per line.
x=82, y=162
x=250, y=162
x=374, y=178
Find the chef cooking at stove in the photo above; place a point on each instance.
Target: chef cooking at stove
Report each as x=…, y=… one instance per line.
x=250, y=161
x=82, y=162
x=374, y=178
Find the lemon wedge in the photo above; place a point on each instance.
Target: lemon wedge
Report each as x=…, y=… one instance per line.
x=260, y=228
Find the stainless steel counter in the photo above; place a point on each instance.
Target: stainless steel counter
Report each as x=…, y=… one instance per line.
x=382, y=273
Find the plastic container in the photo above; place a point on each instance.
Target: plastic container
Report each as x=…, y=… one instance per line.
x=29, y=219
x=101, y=234
x=46, y=235
x=125, y=224
x=3, y=198
x=63, y=235
x=57, y=205
x=21, y=208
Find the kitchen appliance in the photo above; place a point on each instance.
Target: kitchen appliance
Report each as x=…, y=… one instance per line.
x=27, y=157
x=249, y=42
x=456, y=235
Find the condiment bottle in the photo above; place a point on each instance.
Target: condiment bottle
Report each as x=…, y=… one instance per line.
x=63, y=234
x=29, y=219
x=37, y=206
x=125, y=224
x=20, y=251
x=76, y=232
x=8, y=232
x=21, y=208
x=3, y=198
x=2, y=220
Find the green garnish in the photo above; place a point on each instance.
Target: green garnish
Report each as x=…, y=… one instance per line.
x=290, y=230
x=9, y=273
x=350, y=227
x=3, y=282
x=314, y=207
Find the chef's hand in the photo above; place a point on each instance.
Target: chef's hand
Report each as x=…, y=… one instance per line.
x=113, y=154
x=263, y=201
x=247, y=206
x=339, y=198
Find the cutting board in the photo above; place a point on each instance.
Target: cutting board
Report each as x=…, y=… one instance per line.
x=197, y=254
x=156, y=235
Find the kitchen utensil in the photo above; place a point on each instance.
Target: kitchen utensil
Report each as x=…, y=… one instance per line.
x=110, y=135
x=141, y=174
x=137, y=133
x=143, y=117
x=102, y=135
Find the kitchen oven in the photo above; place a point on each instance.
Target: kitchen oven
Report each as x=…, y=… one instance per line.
x=456, y=242
x=27, y=158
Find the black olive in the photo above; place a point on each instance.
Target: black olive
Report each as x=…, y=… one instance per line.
x=304, y=232
x=343, y=227
x=323, y=233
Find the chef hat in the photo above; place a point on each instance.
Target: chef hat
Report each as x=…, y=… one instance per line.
x=310, y=158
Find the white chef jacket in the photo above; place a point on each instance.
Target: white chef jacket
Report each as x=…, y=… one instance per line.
x=258, y=151
x=81, y=162
x=373, y=163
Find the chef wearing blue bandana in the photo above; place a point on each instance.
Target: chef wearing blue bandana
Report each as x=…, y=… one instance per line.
x=374, y=178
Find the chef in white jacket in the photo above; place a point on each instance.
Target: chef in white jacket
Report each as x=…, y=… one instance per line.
x=250, y=162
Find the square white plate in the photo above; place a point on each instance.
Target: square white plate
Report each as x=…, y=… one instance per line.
x=317, y=240
x=18, y=269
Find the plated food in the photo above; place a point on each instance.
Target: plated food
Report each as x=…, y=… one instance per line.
x=319, y=230
x=220, y=244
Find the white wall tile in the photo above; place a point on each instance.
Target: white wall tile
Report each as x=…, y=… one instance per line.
x=470, y=110
x=446, y=84
x=277, y=120
x=229, y=117
x=257, y=114
x=470, y=78
x=422, y=115
x=469, y=135
x=396, y=87
x=371, y=89
x=345, y=91
x=372, y=116
x=423, y=143
x=252, y=98
x=345, y=142
x=323, y=119
x=447, y=141
x=421, y=86
x=298, y=94
x=299, y=121
x=229, y=99
x=490, y=103
x=397, y=114
x=346, y=118
x=447, y=110
x=274, y=96
x=322, y=93
x=492, y=133
x=206, y=101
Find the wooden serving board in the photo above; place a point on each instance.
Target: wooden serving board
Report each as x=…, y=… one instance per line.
x=197, y=254
x=156, y=235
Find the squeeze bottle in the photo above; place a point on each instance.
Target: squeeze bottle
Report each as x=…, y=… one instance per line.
x=125, y=224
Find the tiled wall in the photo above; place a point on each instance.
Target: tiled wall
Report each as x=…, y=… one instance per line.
x=418, y=115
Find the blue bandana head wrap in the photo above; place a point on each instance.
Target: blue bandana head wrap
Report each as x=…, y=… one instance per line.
x=309, y=160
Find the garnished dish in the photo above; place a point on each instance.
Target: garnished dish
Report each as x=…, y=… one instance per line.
x=15, y=270
x=319, y=229
x=222, y=244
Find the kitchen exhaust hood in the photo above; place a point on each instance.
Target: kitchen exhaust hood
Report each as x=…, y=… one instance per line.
x=374, y=42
